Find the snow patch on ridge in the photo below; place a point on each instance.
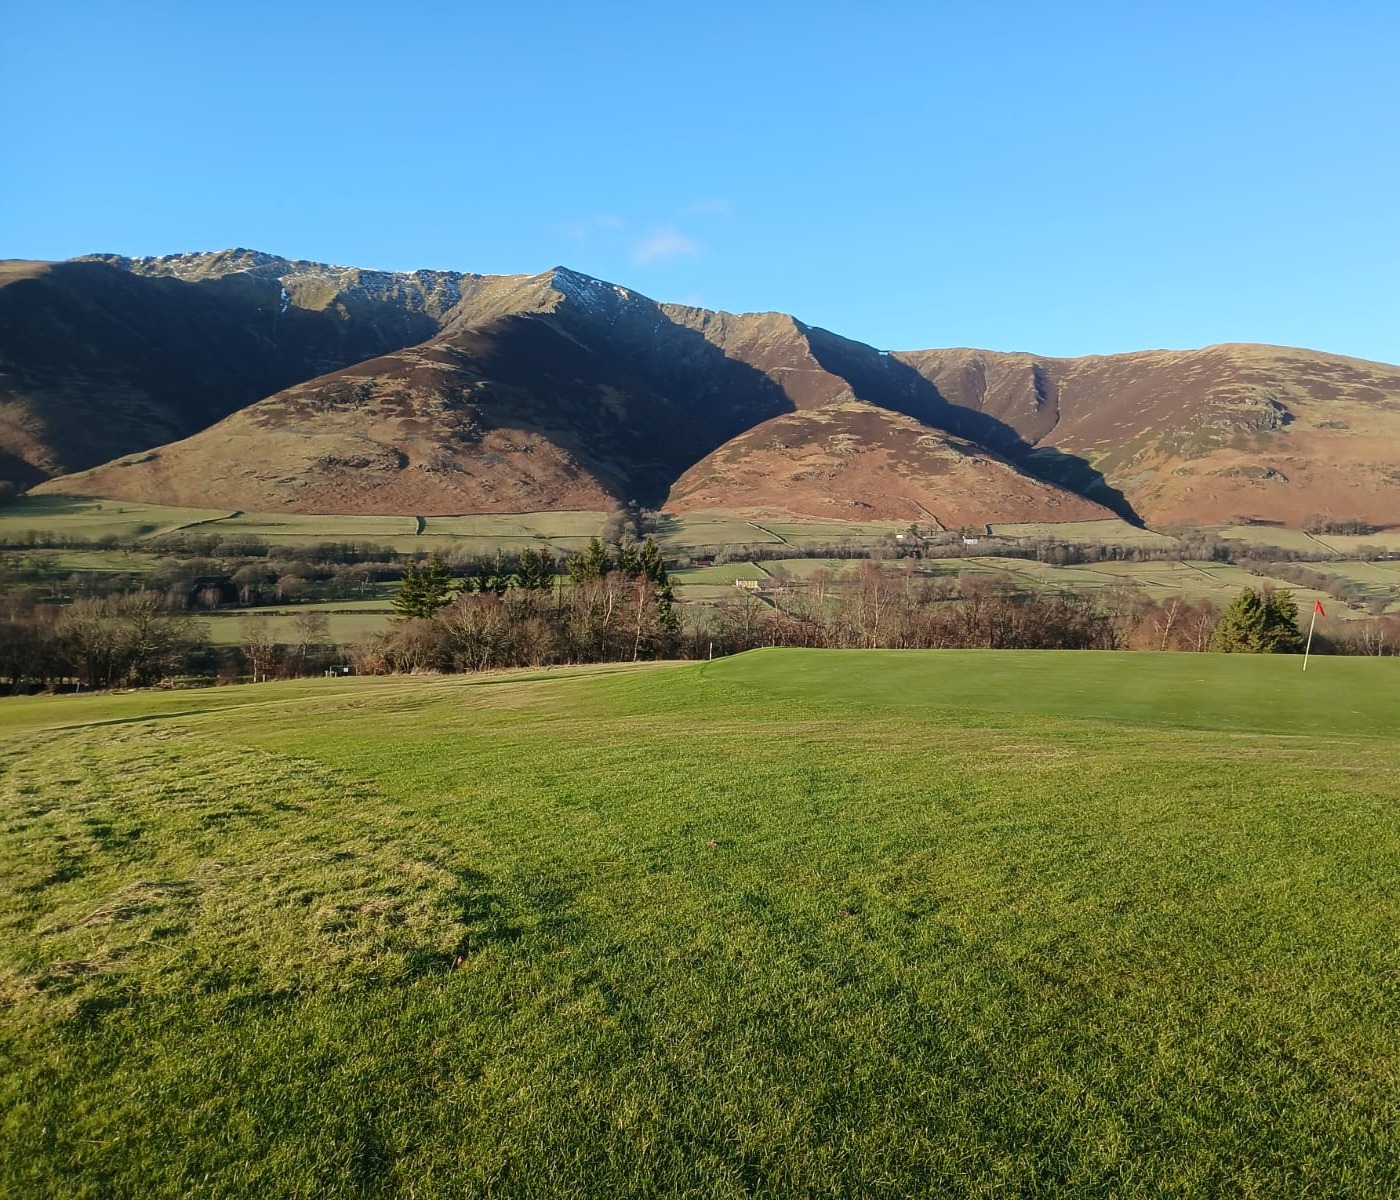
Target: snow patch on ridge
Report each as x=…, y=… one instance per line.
x=604, y=300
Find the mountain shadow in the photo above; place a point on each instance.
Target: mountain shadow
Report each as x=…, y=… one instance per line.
x=885, y=380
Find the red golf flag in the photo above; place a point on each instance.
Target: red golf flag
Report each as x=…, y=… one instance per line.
x=1317, y=608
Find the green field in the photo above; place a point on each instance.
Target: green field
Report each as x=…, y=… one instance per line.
x=77, y=517
x=706, y=529
x=1378, y=580
x=796, y=923
x=299, y=529
x=80, y=518
x=723, y=528
x=103, y=561
x=1103, y=533
x=347, y=624
x=828, y=533
x=1217, y=582
x=1265, y=535
x=1386, y=543
x=724, y=574
x=805, y=568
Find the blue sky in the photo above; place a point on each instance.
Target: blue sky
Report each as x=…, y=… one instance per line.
x=1064, y=178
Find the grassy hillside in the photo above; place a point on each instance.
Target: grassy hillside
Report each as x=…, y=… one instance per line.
x=830, y=923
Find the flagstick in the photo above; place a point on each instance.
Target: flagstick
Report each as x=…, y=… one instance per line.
x=1308, y=649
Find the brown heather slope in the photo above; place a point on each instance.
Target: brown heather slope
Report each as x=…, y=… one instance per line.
x=435, y=392
x=557, y=391
x=562, y=391
x=854, y=462
x=104, y=356
x=1228, y=433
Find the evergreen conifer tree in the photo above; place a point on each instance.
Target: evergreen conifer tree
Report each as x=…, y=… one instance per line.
x=628, y=561
x=1259, y=624
x=1281, y=633
x=408, y=600
x=531, y=570
x=437, y=585
x=653, y=567
x=423, y=591
x=593, y=563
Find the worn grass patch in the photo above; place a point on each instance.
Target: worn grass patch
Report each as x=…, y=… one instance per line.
x=796, y=923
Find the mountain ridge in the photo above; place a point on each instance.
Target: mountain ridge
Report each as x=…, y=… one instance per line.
x=560, y=389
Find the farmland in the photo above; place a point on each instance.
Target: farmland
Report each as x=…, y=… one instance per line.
x=792, y=923
x=65, y=547
x=347, y=621
x=80, y=519
x=1115, y=532
x=93, y=520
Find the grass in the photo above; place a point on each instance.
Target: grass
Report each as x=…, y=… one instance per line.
x=1107, y=532
x=1231, y=580
x=1217, y=582
x=301, y=529
x=79, y=517
x=103, y=561
x=705, y=529
x=1379, y=580
x=725, y=573
x=796, y=923
x=1265, y=535
x=805, y=568
x=542, y=526
x=825, y=533
x=346, y=625
x=1387, y=542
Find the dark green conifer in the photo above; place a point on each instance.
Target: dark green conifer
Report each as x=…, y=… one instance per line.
x=593, y=563
x=1258, y=623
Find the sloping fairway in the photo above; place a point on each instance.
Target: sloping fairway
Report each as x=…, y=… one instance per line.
x=790, y=924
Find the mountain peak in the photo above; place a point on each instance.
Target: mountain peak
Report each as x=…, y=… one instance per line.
x=587, y=289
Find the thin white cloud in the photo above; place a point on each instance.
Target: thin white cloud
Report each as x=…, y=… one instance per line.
x=713, y=206
x=586, y=228
x=666, y=245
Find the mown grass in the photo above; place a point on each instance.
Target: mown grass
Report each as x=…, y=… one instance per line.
x=796, y=923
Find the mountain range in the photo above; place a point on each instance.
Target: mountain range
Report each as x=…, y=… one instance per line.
x=239, y=379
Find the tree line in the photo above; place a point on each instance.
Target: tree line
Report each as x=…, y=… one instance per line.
x=617, y=603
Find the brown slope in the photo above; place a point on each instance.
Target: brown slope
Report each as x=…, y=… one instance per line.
x=545, y=408
x=1216, y=435
x=557, y=391
x=562, y=391
x=605, y=394
x=104, y=356
x=852, y=461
